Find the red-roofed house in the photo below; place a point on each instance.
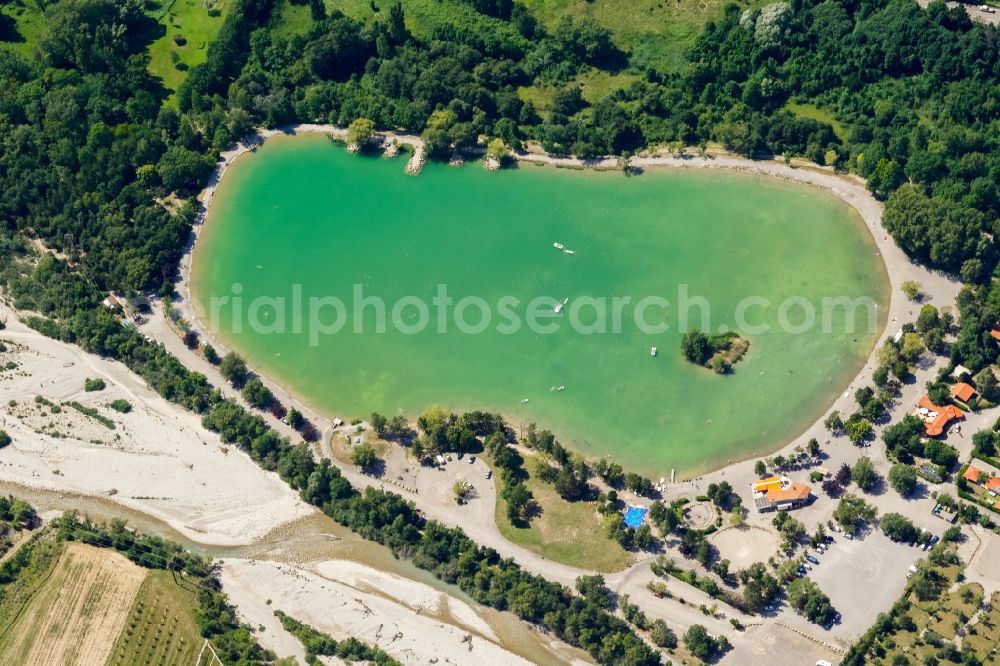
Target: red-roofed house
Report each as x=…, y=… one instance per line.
x=962, y=391
x=972, y=474
x=995, y=334
x=935, y=425
x=993, y=485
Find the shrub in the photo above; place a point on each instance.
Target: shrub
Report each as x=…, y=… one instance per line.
x=234, y=369
x=210, y=354
x=121, y=405
x=96, y=384
x=191, y=339
x=700, y=642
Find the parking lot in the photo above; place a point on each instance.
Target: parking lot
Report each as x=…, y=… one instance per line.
x=862, y=578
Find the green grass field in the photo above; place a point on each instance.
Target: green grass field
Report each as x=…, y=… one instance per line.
x=421, y=15
x=160, y=628
x=815, y=113
x=594, y=84
x=657, y=32
x=567, y=532
x=190, y=26
x=25, y=23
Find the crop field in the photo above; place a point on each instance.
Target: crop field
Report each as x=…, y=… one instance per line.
x=159, y=628
x=72, y=612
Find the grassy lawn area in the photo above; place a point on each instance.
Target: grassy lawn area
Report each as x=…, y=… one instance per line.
x=21, y=27
x=160, y=627
x=341, y=447
x=594, y=83
x=657, y=32
x=421, y=15
x=190, y=26
x=567, y=532
x=288, y=19
x=597, y=83
x=68, y=606
x=815, y=113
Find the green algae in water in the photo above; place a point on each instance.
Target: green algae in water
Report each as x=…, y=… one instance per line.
x=304, y=219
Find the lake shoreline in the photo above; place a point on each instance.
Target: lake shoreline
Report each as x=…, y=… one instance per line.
x=845, y=188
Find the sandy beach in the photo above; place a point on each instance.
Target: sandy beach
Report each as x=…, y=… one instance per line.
x=411, y=621
x=157, y=460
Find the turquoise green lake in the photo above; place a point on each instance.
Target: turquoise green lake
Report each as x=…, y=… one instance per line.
x=302, y=219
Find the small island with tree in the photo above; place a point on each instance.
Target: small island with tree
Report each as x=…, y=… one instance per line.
x=718, y=352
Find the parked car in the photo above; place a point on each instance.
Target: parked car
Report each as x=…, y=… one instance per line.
x=489, y=474
x=472, y=459
x=812, y=559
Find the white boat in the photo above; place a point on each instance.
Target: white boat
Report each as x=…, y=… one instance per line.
x=568, y=251
x=561, y=388
x=652, y=351
x=559, y=307
x=524, y=401
x=558, y=246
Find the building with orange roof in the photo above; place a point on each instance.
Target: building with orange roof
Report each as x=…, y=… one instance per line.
x=935, y=425
x=993, y=485
x=995, y=334
x=962, y=391
x=972, y=474
x=766, y=485
x=780, y=496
